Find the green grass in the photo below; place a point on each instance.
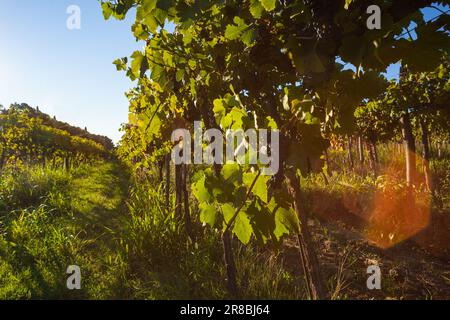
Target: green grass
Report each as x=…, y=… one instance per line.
x=51, y=219
x=130, y=246
x=127, y=244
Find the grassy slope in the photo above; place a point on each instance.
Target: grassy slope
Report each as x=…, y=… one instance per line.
x=64, y=223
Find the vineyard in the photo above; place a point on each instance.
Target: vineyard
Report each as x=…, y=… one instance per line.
x=359, y=162
x=30, y=137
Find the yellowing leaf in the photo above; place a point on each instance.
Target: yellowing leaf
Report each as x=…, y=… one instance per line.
x=269, y=5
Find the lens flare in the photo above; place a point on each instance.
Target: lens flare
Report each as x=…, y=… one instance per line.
x=398, y=211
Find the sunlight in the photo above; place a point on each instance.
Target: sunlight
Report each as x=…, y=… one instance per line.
x=397, y=212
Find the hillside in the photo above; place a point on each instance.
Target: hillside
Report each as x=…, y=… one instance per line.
x=72, y=130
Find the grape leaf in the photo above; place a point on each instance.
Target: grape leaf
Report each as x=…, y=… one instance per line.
x=239, y=30
x=232, y=173
x=242, y=227
x=200, y=191
x=256, y=9
x=260, y=187
x=208, y=213
x=269, y=5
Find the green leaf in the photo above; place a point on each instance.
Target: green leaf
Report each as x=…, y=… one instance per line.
x=200, y=191
x=248, y=37
x=233, y=119
x=239, y=30
x=269, y=5
x=262, y=220
x=233, y=32
x=148, y=5
x=192, y=64
x=180, y=75
x=219, y=110
x=151, y=23
x=260, y=187
x=311, y=146
x=348, y=3
x=121, y=64
x=145, y=9
x=188, y=35
x=208, y=213
x=139, y=64
x=271, y=123
x=286, y=221
x=232, y=173
x=242, y=227
x=159, y=75
x=228, y=211
x=160, y=16
x=304, y=56
x=168, y=59
x=140, y=31
x=256, y=9
x=107, y=10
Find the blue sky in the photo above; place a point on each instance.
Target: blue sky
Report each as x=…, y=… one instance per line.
x=67, y=73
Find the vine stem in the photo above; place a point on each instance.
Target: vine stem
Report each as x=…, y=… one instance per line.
x=230, y=223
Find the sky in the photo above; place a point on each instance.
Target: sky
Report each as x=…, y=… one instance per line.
x=69, y=73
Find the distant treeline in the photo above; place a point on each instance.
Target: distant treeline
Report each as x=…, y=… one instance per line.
x=72, y=130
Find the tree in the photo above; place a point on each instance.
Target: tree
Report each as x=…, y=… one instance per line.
x=427, y=94
x=409, y=107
